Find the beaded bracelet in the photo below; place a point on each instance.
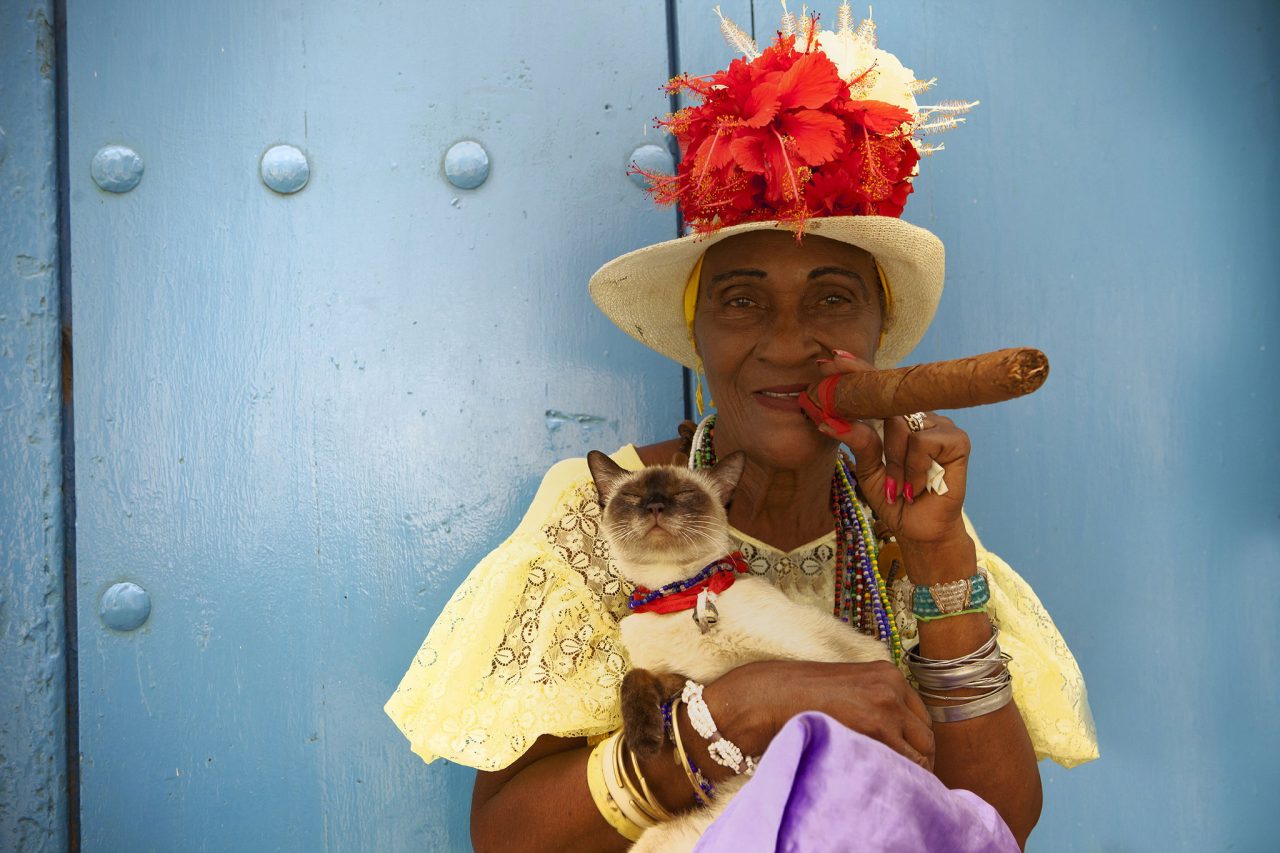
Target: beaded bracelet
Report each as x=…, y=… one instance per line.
x=723, y=751
x=950, y=599
x=703, y=790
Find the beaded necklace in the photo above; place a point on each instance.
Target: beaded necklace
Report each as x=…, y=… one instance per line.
x=861, y=598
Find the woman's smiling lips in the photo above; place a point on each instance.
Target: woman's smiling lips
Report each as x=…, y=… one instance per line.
x=782, y=398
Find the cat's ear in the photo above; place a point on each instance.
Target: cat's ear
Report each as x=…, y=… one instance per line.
x=726, y=473
x=605, y=472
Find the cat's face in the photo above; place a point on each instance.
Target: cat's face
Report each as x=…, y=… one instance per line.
x=664, y=517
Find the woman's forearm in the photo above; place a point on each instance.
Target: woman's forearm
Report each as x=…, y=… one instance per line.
x=541, y=802
x=990, y=755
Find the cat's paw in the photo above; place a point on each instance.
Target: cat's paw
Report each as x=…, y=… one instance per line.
x=643, y=693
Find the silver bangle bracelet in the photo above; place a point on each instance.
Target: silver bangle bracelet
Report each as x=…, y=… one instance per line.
x=977, y=708
x=961, y=676
x=987, y=651
x=989, y=686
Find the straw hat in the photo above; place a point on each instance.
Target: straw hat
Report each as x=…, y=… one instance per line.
x=819, y=134
x=642, y=292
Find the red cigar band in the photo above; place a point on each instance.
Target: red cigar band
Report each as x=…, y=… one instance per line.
x=822, y=412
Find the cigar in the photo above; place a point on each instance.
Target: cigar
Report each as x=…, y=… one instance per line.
x=978, y=380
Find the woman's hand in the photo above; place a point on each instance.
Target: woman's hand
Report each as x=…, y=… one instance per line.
x=893, y=475
x=751, y=703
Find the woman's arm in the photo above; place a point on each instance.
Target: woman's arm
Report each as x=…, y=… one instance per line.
x=990, y=755
x=543, y=802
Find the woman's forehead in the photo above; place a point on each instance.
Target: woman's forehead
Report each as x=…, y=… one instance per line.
x=779, y=253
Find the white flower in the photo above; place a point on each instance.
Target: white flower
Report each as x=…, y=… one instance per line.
x=889, y=82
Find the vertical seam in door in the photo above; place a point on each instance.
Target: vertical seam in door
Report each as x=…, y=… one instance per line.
x=673, y=68
x=70, y=644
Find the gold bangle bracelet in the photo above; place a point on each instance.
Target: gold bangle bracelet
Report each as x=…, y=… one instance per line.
x=644, y=798
x=681, y=757
x=650, y=801
x=613, y=783
x=600, y=794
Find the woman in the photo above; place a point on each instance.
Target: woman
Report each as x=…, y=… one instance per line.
x=523, y=667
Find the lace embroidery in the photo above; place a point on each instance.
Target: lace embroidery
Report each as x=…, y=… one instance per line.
x=528, y=644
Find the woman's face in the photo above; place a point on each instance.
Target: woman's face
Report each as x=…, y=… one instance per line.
x=768, y=309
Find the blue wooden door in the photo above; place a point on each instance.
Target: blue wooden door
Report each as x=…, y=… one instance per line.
x=301, y=416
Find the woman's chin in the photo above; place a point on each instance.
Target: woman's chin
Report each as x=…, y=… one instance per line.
x=796, y=444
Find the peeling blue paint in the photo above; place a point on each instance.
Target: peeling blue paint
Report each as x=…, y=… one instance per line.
x=557, y=419
x=33, y=763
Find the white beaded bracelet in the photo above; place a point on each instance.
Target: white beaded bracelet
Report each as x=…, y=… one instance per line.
x=722, y=750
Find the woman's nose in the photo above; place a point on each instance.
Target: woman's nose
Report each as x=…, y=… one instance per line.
x=787, y=340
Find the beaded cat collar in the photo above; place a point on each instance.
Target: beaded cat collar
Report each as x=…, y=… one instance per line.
x=683, y=594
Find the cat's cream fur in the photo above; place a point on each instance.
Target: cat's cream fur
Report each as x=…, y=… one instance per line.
x=664, y=524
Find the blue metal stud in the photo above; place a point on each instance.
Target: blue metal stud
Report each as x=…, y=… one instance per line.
x=466, y=165
x=653, y=159
x=284, y=169
x=125, y=606
x=116, y=169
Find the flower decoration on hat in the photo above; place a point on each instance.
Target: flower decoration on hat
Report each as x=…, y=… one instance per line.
x=819, y=123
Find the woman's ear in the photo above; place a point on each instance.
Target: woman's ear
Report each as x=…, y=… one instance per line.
x=726, y=473
x=605, y=472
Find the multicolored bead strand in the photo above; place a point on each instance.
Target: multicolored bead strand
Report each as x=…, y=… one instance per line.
x=861, y=597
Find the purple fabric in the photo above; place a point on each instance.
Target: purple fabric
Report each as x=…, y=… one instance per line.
x=823, y=787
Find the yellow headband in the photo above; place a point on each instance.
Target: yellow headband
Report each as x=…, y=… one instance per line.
x=695, y=275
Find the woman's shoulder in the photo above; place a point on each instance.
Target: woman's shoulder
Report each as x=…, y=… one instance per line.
x=564, y=482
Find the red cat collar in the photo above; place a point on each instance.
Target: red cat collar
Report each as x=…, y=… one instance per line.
x=683, y=595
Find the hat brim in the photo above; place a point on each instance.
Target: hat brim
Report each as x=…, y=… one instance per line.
x=642, y=292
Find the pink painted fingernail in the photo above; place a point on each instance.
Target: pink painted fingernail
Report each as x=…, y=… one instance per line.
x=890, y=489
x=909, y=493
x=844, y=354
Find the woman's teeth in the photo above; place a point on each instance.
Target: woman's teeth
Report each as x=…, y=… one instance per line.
x=781, y=394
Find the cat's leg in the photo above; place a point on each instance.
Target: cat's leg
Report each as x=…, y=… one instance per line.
x=643, y=692
x=679, y=835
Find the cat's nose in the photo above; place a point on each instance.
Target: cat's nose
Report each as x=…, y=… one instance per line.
x=656, y=506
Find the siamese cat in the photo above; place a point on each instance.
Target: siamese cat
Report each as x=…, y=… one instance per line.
x=665, y=524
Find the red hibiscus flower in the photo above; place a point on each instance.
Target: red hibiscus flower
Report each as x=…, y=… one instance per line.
x=778, y=137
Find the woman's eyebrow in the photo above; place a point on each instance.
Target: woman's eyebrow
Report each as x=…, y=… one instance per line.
x=751, y=273
x=819, y=272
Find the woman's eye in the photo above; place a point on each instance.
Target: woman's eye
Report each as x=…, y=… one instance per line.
x=834, y=299
x=739, y=302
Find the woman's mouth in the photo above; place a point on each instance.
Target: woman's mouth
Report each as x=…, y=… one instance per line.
x=782, y=398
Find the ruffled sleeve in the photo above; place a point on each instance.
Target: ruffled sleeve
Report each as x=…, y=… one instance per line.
x=1047, y=684
x=528, y=644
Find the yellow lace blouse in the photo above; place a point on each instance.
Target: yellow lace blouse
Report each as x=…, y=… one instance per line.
x=528, y=644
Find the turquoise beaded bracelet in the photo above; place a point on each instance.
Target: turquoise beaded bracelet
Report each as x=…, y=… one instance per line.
x=967, y=596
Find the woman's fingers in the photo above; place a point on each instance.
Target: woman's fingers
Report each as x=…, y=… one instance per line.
x=918, y=734
x=942, y=442
x=868, y=461
x=896, y=443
